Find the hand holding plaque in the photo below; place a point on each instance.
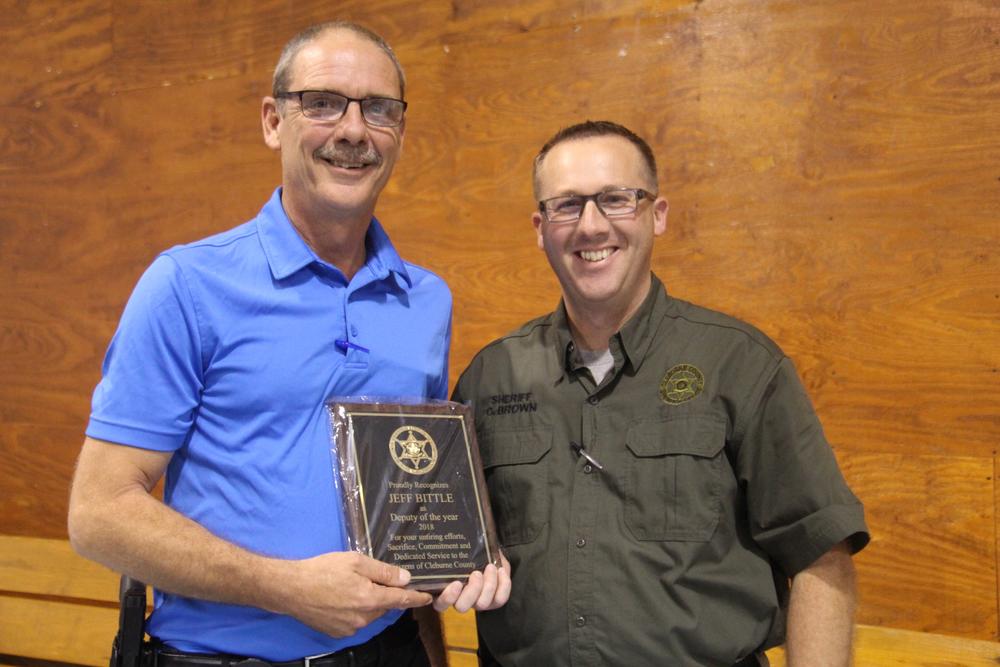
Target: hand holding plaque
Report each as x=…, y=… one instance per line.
x=413, y=488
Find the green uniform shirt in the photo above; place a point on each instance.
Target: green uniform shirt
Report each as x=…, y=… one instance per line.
x=717, y=485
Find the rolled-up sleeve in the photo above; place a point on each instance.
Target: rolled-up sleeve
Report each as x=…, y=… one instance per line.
x=799, y=504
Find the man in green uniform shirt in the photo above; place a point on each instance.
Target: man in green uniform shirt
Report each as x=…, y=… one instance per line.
x=661, y=484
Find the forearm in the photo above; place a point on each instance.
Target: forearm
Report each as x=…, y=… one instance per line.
x=821, y=612
x=115, y=521
x=140, y=536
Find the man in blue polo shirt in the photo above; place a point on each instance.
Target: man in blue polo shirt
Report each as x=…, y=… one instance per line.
x=218, y=374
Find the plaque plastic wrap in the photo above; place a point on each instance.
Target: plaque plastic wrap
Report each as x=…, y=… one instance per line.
x=413, y=488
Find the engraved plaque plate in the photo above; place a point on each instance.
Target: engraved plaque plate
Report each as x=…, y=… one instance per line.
x=413, y=487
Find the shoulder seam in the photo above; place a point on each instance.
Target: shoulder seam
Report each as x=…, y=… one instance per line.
x=209, y=242
x=195, y=306
x=528, y=329
x=747, y=330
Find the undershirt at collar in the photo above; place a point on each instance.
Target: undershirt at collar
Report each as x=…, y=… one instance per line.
x=598, y=362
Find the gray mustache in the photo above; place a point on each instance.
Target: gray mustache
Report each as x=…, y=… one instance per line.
x=350, y=154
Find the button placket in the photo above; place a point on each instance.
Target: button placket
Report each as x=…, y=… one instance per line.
x=584, y=508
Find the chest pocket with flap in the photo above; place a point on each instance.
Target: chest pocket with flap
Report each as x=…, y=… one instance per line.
x=674, y=481
x=514, y=465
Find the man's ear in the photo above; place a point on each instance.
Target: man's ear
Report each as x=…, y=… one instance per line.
x=536, y=220
x=270, y=120
x=660, y=208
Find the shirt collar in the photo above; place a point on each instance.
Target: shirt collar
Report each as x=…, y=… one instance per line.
x=564, y=342
x=640, y=330
x=634, y=338
x=382, y=256
x=287, y=252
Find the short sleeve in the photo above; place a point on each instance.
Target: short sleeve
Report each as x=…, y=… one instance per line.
x=152, y=374
x=439, y=384
x=799, y=504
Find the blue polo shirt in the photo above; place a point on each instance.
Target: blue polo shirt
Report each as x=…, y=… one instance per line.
x=225, y=354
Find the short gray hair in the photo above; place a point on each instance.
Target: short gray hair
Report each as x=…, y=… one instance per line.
x=283, y=70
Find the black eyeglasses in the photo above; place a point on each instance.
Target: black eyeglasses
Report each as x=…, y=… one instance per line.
x=616, y=203
x=326, y=105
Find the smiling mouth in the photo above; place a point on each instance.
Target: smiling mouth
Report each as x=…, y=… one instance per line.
x=352, y=158
x=343, y=164
x=595, y=255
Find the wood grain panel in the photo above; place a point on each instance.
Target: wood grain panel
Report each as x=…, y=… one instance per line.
x=206, y=144
x=75, y=633
x=931, y=518
x=34, y=492
x=54, y=48
x=51, y=567
x=192, y=41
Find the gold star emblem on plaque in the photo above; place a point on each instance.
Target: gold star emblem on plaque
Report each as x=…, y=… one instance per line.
x=413, y=449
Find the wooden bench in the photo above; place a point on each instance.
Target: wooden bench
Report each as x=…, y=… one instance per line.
x=873, y=647
x=57, y=606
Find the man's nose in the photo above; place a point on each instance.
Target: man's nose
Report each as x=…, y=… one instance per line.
x=592, y=220
x=351, y=125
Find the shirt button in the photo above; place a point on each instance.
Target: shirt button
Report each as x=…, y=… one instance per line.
x=580, y=621
x=588, y=469
x=593, y=400
x=581, y=543
x=354, y=330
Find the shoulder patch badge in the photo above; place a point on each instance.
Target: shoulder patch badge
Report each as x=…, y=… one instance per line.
x=681, y=383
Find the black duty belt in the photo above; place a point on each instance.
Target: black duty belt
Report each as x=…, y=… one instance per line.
x=399, y=634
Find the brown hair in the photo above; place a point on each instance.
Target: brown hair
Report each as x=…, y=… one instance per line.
x=593, y=128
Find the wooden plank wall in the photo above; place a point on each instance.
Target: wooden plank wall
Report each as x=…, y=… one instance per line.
x=832, y=167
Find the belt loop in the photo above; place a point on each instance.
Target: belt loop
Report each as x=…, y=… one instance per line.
x=309, y=659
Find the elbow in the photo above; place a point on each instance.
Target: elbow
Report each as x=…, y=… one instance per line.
x=83, y=526
x=106, y=494
x=76, y=527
